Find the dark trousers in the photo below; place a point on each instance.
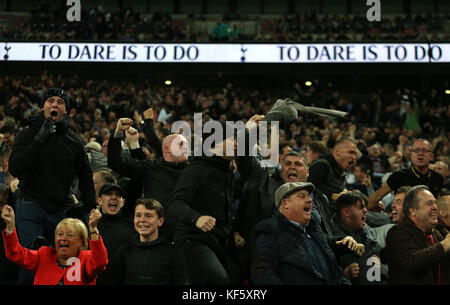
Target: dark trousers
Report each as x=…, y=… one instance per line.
x=32, y=220
x=203, y=265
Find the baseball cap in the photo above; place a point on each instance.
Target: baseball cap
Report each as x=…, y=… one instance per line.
x=109, y=186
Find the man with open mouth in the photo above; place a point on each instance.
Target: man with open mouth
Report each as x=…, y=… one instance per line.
x=417, y=253
x=158, y=176
x=46, y=157
x=351, y=220
x=397, y=205
x=116, y=227
x=290, y=246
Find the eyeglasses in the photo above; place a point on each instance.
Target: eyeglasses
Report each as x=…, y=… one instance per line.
x=422, y=150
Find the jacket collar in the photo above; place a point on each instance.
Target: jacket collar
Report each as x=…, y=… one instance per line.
x=160, y=240
x=334, y=165
x=409, y=223
x=174, y=165
x=215, y=161
x=417, y=173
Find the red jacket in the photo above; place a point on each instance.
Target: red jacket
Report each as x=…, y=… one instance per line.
x=43, y=262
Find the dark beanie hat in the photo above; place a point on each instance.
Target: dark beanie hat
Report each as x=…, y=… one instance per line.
x=55, y=92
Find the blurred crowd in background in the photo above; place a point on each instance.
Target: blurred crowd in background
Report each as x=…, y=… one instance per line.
x=98, y=23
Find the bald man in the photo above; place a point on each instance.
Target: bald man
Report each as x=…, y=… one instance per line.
x=158, y=176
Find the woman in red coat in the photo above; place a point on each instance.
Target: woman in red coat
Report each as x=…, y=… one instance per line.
x=70, y=262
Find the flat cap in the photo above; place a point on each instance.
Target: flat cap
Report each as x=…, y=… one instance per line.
x=289, y=188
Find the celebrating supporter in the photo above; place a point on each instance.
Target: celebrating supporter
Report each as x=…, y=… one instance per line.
x=70, y=262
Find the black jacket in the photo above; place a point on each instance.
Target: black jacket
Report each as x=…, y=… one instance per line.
x=46, y=171
x=371, y=248
x=116, y=230
x=158, y=176
x=204, y=188
x=329, y=176
x=153, y=263
x=280, y=254
x=258, y=194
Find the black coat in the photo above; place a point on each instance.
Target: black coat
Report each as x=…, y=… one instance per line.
x=158, y=176
x=280, y=255
x=258, y=194
x=46, y=171
x=204, y=188
x=327, y=174
x=371, y=248
x=116, y=231
x=153, y=263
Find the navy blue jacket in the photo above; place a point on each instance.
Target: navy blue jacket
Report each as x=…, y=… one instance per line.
x=280, y=255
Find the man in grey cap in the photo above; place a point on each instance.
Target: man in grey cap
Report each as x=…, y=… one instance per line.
x=290, y=246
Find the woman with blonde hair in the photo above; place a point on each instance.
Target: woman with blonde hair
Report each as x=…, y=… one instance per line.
x=69, y=262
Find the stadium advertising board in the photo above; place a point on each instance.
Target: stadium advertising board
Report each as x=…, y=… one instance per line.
x=227, y=53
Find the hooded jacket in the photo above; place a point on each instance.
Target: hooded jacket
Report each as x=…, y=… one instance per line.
x=46, y=171
x=149, y=263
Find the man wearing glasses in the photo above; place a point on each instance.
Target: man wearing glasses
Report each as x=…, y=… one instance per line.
x=418, y=174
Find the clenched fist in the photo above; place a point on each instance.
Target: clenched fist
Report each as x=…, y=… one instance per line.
x=205, y=223
x=123, y=124
x=94, y=218
x=351, y=271
x=9, y=218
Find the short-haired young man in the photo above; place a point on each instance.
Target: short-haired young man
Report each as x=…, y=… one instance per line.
x=149, y=259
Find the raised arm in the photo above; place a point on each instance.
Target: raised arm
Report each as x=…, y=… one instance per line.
x=377, y=196
x=98, y=259
x=125, y=166
x=150, y=134
x=24, y=257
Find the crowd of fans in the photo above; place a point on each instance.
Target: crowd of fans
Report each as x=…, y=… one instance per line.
x=387, y=118
x=127, y=25
x=382, y=124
